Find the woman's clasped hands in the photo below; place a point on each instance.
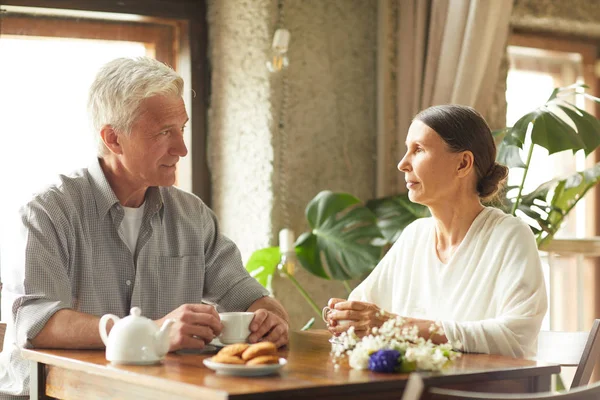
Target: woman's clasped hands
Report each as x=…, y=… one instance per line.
x=341, y=314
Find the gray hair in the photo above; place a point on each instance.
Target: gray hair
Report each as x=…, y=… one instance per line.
x=119, y=88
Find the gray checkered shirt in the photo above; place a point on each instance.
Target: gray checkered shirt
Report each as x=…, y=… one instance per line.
x=72, y=255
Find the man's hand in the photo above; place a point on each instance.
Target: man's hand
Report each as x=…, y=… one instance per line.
x=361, y=315
x=195, y=326
x=269, y=327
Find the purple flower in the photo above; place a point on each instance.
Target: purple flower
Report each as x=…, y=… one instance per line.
x=384, y=361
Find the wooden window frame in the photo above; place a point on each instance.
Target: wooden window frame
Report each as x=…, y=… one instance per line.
x=192, y=41
x=589, y=49
x=162, y=36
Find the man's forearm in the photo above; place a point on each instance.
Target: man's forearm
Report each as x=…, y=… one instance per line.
x=272, y=305
x=68, y=329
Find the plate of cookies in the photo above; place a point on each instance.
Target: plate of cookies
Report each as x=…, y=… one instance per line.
x=243, y=359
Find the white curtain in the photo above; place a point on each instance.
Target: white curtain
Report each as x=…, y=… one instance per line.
x=444, y=52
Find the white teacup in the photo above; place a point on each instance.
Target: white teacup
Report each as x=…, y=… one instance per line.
x=327, y=310
x=236, y=327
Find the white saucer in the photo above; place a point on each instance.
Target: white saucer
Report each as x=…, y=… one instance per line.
x=212, y=347
x=244, y=370
x=217, y=343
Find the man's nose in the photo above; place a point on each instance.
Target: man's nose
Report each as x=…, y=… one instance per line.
x=179, y=148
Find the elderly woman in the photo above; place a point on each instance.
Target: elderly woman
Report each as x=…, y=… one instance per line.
x=472, y=268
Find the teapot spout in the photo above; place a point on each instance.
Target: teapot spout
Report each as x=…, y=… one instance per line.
x=162, y=338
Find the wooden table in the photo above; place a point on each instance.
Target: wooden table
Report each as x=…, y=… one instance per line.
x=309, y=374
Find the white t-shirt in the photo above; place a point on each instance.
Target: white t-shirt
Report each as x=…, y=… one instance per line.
x=490, y=295
x=130, y=227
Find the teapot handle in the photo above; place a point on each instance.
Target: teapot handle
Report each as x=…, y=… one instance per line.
x=102, y=326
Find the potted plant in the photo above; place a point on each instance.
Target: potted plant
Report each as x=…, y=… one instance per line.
x=347, y=238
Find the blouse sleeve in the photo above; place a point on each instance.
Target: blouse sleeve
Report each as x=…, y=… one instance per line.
x=522, y=302
x=377, y=288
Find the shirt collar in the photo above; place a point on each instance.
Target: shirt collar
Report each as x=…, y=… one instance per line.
x=103, y=193
x=106, y=197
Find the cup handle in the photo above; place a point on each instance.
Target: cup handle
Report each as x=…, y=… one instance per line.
x=326, y=310
x=102, y=326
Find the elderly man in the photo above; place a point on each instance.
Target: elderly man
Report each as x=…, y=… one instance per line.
x=118, y=234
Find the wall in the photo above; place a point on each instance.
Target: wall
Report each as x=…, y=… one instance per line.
x=573, y=17
x=264, y=175
x=240, y=151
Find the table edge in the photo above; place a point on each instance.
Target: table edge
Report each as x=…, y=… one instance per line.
x=184, y=389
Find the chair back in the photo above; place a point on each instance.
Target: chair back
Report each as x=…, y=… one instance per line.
x=590, y=355
x=415, y=389
x=564, y=348
x=573, y=349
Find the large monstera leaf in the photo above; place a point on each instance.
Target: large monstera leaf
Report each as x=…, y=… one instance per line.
x=509, y=148
x=550, y=203
x=344, y=241
x=552, y=129
x=394, y=213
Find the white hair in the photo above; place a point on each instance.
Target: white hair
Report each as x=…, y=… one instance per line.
x=119, y=88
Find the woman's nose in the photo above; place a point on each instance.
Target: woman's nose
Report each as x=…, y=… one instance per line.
x=403, y=165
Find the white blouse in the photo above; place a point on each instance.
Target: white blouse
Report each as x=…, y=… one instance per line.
x=490, y=295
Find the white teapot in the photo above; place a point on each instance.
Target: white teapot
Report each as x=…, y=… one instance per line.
x=135, y=339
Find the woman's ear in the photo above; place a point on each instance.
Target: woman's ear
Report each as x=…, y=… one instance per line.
x=466, y=163
x=111, y=139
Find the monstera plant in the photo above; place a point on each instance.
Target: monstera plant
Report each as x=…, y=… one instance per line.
x=344, y=242
x=347, y=238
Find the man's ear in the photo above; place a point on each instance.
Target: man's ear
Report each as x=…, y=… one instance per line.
x=111, y=139
x=466, y=163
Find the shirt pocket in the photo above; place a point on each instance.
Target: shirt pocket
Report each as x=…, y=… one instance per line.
x=180, y=281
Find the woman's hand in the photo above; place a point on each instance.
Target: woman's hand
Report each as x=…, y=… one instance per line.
x=361, y=315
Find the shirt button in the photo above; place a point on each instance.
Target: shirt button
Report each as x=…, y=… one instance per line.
x=128, y=282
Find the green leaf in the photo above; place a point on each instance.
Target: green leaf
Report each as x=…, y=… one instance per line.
x=553, y=134
x=263, y=264
x=394, y=213
x=519, y=130
x=509, y=155
x=341, y=244
x=540, y=193
x=553, y=95
x=588, y=127
x=308, y=255
x=327, y=203
x=500, y=134
x=574, y=86
x=557, y=198
x=309, y=324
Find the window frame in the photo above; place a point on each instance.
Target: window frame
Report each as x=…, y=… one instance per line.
x=191, y=40
x=162, y=36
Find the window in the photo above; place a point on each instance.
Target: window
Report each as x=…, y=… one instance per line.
x=53, y=63
x=537, y=65
x=532, y=76
x=50, y=57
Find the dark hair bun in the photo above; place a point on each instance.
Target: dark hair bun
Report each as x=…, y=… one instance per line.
x=492, y=181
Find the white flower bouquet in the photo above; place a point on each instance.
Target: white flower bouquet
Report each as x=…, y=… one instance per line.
x=394, y=347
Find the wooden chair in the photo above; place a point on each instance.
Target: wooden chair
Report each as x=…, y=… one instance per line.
x=415, y=389
x=575, y=349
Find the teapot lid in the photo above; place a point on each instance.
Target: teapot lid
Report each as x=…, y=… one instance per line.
x=135, y=318
x=136, y=311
